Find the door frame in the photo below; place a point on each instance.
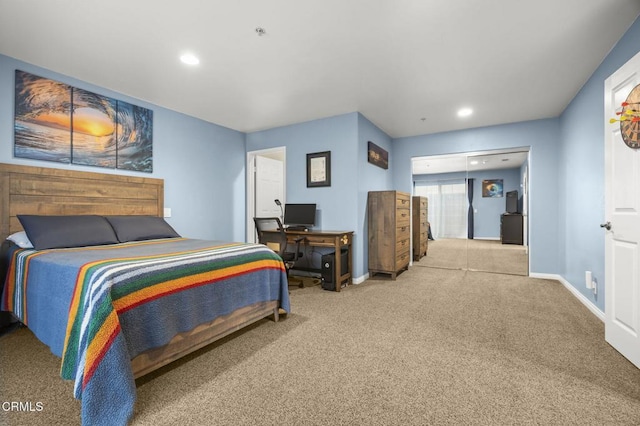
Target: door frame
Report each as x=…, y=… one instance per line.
x=279, y=153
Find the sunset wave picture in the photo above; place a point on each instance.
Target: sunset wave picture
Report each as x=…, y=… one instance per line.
x=58, y=122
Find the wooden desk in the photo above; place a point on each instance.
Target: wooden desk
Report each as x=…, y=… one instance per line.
x=335, y=240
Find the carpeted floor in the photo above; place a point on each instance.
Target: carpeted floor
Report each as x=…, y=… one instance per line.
x=476, y=255
x=434, y=347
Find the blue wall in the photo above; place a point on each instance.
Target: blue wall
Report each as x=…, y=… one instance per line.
x=337, y=203
x=582, y=127
x=543, y=138
x=370, y=178
x=342, y=206
x=335, y=134
x=186, y=154
x=489, y=210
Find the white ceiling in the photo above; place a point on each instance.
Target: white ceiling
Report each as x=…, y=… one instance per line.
x=394, y=61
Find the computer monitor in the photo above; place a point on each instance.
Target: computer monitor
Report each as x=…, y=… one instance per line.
x=300, y=215
x=512, y=202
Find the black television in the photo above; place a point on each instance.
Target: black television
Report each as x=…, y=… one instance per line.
x=512, y=202
x=300, y=216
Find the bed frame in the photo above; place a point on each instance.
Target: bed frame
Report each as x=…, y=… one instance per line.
x=48, y=191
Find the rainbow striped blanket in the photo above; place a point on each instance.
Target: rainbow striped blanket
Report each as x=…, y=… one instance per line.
x=127, y=298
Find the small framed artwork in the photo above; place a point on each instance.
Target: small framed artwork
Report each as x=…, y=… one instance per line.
x=377, y=155
x=319, y=169
x=492, y=188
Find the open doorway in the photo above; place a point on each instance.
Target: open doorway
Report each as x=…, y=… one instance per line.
x=467, y=222
x=266, y=182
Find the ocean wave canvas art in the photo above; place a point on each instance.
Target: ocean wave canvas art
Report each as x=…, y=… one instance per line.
x=42, y=119
x=58, y=122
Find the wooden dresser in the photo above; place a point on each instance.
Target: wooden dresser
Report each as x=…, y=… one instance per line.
x=420, y=227
x=389, y=232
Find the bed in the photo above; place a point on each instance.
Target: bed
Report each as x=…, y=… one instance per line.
x=122, y=306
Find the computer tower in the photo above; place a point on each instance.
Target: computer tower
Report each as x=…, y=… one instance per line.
x=328, y=268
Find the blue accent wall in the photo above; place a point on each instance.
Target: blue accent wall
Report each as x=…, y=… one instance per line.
x=202, y=164
x=581, y=183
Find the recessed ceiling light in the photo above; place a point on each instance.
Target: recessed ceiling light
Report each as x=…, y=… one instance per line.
x=190, y=59
x=465, y=112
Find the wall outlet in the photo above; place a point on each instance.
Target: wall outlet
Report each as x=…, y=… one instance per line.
x=167, y=212
x=588, y=279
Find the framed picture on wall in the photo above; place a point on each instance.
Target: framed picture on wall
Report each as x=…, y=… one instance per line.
x=492, y=188
x=319, y=169
x=377, y=155
x=57, y=122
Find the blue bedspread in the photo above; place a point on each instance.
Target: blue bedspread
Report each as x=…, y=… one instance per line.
x=100, y=307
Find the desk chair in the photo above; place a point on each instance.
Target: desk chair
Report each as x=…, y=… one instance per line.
x=278, y=238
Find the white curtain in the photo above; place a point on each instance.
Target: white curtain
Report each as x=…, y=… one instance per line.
x=447, y=208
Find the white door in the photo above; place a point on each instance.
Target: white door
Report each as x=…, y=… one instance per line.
x=265, y=184
x=622, y=214
x=269, y=186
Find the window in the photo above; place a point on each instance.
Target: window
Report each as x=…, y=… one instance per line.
x=448, y=207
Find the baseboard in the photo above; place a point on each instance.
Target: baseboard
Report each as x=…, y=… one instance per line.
x=581, y=297
x=361, y=279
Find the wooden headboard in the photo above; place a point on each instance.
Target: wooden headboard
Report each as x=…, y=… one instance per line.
x=47, y=191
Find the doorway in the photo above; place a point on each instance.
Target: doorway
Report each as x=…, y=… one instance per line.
x=266, y=183
x=466, y=220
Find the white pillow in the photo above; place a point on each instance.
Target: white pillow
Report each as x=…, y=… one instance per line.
x=20, y=239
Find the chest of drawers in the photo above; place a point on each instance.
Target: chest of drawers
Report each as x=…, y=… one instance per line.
x=420, y=227
x=389, y=224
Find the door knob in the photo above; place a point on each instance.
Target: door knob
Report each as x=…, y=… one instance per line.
x=606, y=226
